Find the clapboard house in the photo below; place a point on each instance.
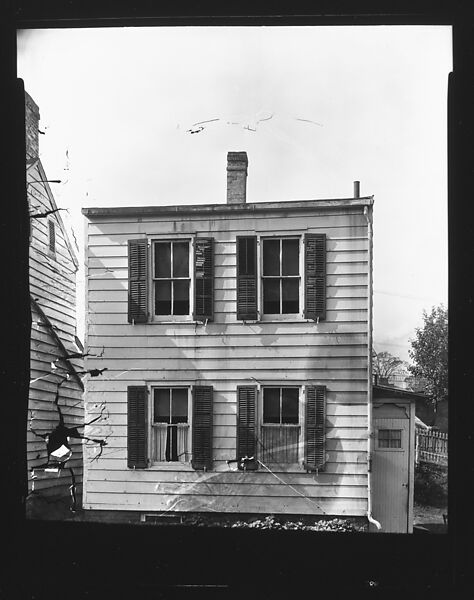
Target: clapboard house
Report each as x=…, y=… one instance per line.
x=236, y=339
x=52, y=267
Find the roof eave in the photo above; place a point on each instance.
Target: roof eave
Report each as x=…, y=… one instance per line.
x=254, y=207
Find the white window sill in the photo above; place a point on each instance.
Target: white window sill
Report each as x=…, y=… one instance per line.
x=171, y=466
x=285, y=319
x=175, y=321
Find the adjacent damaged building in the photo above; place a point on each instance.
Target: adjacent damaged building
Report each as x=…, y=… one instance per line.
x=56, y=387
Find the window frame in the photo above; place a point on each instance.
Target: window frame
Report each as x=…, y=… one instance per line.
x=171, y=318
x=162, y=464
x=261, y=277
x=294, y=466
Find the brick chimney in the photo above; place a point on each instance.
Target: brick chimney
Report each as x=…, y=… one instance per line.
x=236, y=177
x=32, y=117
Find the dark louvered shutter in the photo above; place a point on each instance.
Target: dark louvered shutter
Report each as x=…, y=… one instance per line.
x=315, y=276
x=202, y=428
x=137, y=427
x=247, y=278
x=246, y=424
x=137, y=281
x=204, y=279
x=315, y=427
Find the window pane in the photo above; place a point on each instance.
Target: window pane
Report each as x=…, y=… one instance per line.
x=290, y=291
x=163, y=259
x=271, y=296
x=246, y=256
x=162, y=405
x=289, y=405
x=290, y=253
x=271, y=405
x=162, y=297
x=280, y=444
x=171, y=453
x=181, y=297
x=390, y=438
x=271, y=257
x=179, y=406
x=180, y=259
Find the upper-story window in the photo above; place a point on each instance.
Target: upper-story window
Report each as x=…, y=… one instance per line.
x=281, y=276
x=51, y=237
x=171, y=278
x=277, y=278
x=181, y=275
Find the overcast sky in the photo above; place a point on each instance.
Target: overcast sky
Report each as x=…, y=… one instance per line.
x=346, y=103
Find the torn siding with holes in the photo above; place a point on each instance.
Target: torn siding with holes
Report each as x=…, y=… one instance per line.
x=52, y=267
x=238, y=369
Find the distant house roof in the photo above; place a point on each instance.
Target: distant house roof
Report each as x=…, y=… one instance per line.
x=244, y=207
x=389, y=391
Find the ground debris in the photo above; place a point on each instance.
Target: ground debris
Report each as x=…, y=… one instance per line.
x=270, y=522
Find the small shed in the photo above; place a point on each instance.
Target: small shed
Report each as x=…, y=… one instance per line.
x=393, y=458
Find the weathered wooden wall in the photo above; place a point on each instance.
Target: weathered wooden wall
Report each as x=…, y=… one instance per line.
x=53, y=288
x=227, y=353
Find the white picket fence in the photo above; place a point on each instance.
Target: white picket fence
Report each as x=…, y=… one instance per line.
x=431, y=447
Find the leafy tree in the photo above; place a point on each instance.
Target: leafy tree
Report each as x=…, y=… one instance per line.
x=385, y=364
x=429, y=353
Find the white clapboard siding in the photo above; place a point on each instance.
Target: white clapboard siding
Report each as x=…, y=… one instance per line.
x=107, y=388
x=290, y=504
x=226, y=353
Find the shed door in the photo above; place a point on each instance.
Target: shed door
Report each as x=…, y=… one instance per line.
x=391, y=474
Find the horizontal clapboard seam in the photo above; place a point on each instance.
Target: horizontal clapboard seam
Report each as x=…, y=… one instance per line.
x=235, y=497
x=231, y=240
x=112, y=275
x=123, y=267
x=145, y=370
x=255, y=360
x=263, y=214
x=225, y=216
x=248, y=483
x=114, y=440
x=244, y=231
x=244, y=334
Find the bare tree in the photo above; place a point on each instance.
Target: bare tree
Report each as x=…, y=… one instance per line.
x=385, y=364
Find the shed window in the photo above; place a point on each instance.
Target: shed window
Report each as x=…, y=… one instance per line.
x=171, y=277
x=281, y=276
x=280, y=424
x=390, y=438
x=171, y=424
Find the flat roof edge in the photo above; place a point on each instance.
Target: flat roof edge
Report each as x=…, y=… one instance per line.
x=139, y=211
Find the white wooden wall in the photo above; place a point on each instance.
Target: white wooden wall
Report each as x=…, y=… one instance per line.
x=227, y=353
x=53, y=286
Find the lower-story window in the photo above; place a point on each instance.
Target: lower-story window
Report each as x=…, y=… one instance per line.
x=280, y=429
x=171, y=424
